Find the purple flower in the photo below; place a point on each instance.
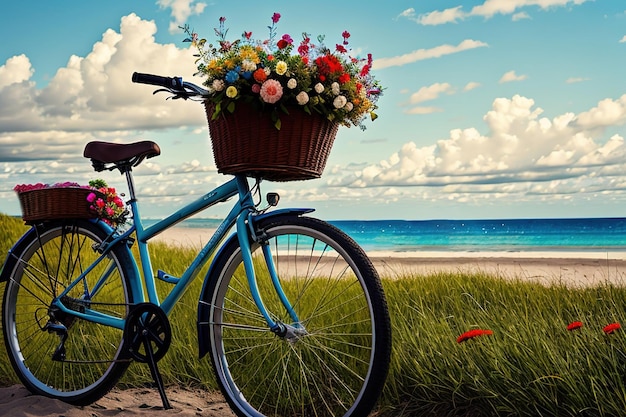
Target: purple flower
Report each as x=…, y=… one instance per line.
x=91, y=197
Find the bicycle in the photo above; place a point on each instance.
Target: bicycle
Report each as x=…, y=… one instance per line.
x=291, y=312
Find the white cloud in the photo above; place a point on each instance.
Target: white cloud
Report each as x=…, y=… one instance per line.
x=422, y=54
x=623, y=39
x=181, y=10
x=471, y=86
x=15, y=70
x=94, y=93
x=487, y=9
x=575, y=80
x=512, y=76
x=521, y=151
x=520, y=16
x=430, y=92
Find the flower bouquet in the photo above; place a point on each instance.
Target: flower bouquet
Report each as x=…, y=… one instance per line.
x=70, y=200
x=274, y=107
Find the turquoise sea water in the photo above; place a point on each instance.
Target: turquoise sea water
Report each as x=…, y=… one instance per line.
x=590, y=234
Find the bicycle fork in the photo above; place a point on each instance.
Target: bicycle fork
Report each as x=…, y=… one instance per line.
x=290, y=332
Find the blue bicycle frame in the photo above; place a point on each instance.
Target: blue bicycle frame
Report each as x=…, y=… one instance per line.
x=241, y=216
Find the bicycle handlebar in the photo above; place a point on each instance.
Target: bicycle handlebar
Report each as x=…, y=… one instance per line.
x=175, y=85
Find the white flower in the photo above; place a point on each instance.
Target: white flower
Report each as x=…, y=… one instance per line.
x=349, y=106
x=218, y=85
x=248, y=65
x=319, y=88
x=334, y=87
x=292, y=83
x=339, y=102
x=302, y=98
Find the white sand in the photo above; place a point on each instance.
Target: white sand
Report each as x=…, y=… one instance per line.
x=571, y=268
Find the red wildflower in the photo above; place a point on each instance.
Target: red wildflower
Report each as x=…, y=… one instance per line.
x=611, y=328
x=345, y=35
x=275, y=17
x=247, y=35
x=574, y=325
x=472, y=334
x=344, y=78
x=340, y=48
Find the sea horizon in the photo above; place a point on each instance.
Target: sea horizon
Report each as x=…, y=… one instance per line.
x=568, y=234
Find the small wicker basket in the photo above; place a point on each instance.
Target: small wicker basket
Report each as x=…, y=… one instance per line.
x=56, y=203
x=247, y=142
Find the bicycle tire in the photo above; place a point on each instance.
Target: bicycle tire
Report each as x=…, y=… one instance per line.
x=339, y=367
x=51, y=258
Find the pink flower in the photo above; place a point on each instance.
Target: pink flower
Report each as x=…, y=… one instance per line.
x=271, y=91
x=275, y=17
x=91, y=197
x=100, y=203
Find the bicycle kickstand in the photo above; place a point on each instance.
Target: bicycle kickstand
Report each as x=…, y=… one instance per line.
x=156, y=375
x=148, y=335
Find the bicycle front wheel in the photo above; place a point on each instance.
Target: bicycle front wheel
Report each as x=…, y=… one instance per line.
x=334, y=359
x=54, y=353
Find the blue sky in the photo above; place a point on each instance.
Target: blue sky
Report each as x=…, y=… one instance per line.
x=492, y=108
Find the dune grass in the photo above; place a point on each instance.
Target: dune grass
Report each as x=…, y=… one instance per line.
x=530, y=366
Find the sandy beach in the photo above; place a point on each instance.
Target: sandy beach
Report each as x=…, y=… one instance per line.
x=570, y=268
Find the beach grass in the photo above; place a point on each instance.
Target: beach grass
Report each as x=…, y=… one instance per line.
x=531, y=364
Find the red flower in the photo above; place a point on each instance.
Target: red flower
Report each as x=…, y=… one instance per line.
x=472, y=334
x=247, y=35
x=328, y=64
x=282, y=44
x=344, y=78
x=345, y=35
x=611, y=328
x=275, y=17
x=340, y=48
x=574, y=325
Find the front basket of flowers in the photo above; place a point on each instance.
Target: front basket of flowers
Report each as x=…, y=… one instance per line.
x=275, y=107
x=70, y=200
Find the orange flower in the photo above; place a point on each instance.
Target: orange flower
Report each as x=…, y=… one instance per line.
x=472, y=334
x=611, y=328
x=574, y=325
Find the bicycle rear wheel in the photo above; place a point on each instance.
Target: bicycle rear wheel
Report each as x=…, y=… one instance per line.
x=51, y=259
x=337, y=361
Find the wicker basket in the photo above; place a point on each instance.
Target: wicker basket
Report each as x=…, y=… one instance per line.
x=247, y=142
x=56, y=203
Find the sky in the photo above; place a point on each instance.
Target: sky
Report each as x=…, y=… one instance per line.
x=491, y=108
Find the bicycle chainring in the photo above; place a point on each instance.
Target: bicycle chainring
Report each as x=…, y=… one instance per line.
x=147, y=333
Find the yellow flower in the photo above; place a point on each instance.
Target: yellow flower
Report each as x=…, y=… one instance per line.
x=281, y=68
x=231, y=91
x=247, y=52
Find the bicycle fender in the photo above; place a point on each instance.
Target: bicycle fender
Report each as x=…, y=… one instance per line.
x=13, y=254
x=204, y=342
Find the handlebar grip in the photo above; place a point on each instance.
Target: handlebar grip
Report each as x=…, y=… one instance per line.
x=175, y=83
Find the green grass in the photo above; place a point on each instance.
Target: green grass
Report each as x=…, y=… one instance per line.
x=530, y=366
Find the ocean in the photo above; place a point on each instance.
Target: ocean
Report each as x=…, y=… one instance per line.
x=510, y=235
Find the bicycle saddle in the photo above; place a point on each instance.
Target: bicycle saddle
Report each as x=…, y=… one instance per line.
x=121, y=155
